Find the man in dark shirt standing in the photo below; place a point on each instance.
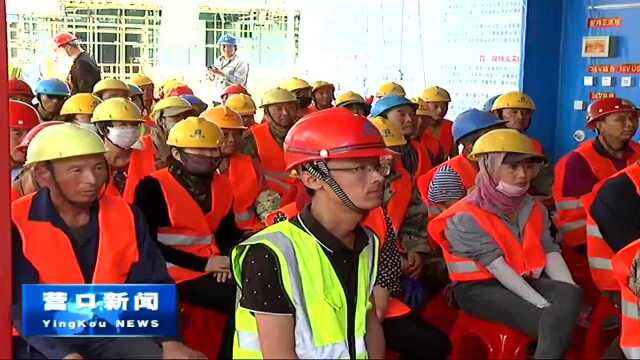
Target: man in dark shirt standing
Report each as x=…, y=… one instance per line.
x=84, y=72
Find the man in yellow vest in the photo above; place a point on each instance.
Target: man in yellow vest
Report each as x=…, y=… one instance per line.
x=306, y=283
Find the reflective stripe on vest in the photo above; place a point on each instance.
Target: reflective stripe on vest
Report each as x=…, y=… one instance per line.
x=306, y=339
x=630, y=331
x=570, y=226
x=184, y=240
x=462, y=267
x=568, y=204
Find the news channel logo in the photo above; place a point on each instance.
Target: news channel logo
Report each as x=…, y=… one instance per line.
x=99, y=310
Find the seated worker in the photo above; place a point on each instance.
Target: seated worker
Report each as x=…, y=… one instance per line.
x=22, y=118
x=354, y=102
x=516, y=108
x=444, y=185
x=231, y=90
x=496, y=243
x=433, y=124
x=323, y=250
x=390, y=88
x=626, y=265
x=72, y=217
x=111, y=88
x=20, y=90
x=78, y=110
x=323, y=94
x=146, y=85
x=241, y=169
x=51, y=94
x=302, y=90
x=137, y=97
x=401, y=111
x=245, y=107
x=119, y=122
x=166, y=113
x=578, y=172
x=198, y=105
x=189, y=210
x=264, y=141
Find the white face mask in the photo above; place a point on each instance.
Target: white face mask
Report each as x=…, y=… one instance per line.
x=123, y=137
x=86, y=126
x=512, y=191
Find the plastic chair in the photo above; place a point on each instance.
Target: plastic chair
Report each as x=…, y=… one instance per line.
x=202, y=329
x=440, y=313
x=473, y=338
x=597, y=340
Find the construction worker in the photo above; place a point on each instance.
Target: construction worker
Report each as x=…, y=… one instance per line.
x=433, y=123
x=323, y=250
x=241, y=169
x=354, y=102
x=516, y=108
x=24, y=183
x=449, y=182
x=136, y=95
x=323, y=94
x=626, y=267
x=84, y=72
x=578, y=172
x=119, y=122
x=245, y=107
x=390, y=88
x=488, y=105
x=197, y=104
x=189, y=211
x=79, y=108
x=264, y=141
x=232, y=90
x=51, y=94
x=429, y=142
x=166, y=113
x=110, y=88
x=302, y=90
x=167, y=86
x=69, y=214
x=22, y=118
x=401, y=111
x=146, y=85
x=496, y=243
x=229, y=68
x=20, y=90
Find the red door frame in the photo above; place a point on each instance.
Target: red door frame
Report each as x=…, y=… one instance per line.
x=5, y=225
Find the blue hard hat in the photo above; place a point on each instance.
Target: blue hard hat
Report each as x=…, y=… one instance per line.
x=387, y=103
x=194, y=100
x=488, y=105
x=473, y=120
x=52, y=87
x=227, y=39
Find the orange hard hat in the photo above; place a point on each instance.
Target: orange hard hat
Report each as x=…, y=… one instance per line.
x=335, y=133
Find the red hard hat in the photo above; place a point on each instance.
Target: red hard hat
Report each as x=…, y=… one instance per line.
x=234, y=89
x=603, y=107
x=22, y=115
x=33, y=132
x=180, y=91
x=335, y=133
x=63, y=38
x=19, y=87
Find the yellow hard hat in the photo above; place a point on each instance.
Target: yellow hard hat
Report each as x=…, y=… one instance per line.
x=224, y=117
x=195, y=132
x=320, y=84
x=390, y=88
x=141, y=80
x=391, y=132
x=171, y=84
x=117, y=109
x=294, y=84
x=503, y=140
x=435, y=94
x=349, y=97
x=277, y=96
x=109, y=84
x=176, y=103
x=514, y=100
x=81, y=103
x=422, y=106
x=242, y=104
x=63, y=141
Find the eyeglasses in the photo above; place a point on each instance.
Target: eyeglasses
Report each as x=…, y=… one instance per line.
x=383, y=170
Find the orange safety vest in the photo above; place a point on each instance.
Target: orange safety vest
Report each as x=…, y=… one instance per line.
x=117, y=244
x=570, y=218
x=630, y=332
x=247, y=184
x=444, y=142
x=598, y=251
x=525, y=258
x=424, y=160
x=400, y=200
x=141, y=164
x=15, y=193
x=271, y=160
x=191, y=230
x=537, y=146
x=465, y=169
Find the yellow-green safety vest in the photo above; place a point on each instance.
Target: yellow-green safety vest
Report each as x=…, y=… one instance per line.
x=315, y=292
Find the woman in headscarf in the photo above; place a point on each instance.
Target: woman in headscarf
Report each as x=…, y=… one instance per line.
x=505, y=266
